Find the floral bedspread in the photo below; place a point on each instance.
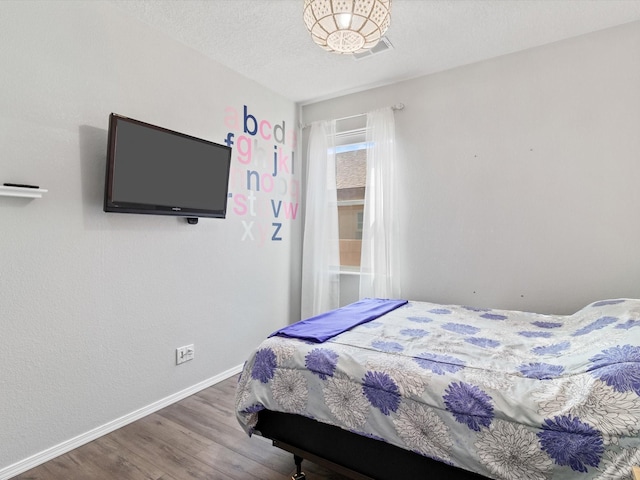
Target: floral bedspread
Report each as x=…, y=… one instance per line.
x=507, y=394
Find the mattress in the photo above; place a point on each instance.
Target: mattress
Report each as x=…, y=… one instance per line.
x=506, y=394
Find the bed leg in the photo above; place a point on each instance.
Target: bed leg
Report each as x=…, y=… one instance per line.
x=299, y=475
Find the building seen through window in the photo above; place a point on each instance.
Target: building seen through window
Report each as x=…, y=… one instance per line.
x=351, y=174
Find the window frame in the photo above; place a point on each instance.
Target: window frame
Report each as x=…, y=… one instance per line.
x=347, y=141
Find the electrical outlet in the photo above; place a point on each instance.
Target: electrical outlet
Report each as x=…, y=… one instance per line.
x=184, y=354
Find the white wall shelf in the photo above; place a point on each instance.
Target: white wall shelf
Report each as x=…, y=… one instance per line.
x=21, y=192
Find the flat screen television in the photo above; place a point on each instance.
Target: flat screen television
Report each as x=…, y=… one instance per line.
x=153, y=170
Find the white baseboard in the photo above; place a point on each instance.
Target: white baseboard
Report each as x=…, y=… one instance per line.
x=68, y=445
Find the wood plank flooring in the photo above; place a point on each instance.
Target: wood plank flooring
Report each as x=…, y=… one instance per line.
x=196, y=438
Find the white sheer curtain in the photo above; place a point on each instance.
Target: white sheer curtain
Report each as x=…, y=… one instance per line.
x=321, y=247
x=380, y=231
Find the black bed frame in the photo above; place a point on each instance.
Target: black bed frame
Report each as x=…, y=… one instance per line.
x=352, y=455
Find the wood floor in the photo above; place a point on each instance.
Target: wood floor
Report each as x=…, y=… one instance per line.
x=196, y=438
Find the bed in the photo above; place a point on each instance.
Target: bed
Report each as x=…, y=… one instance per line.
x=388, y=389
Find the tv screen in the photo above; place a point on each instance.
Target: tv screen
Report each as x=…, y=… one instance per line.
x=154, y=170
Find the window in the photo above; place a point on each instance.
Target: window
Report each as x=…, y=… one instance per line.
x=351, y=174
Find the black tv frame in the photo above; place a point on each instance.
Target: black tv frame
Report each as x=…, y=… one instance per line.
x=192, y=214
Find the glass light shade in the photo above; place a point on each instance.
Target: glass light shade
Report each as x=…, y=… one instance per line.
x=347, y=26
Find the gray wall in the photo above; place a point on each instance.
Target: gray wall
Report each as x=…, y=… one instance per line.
x=519, y=175
x=94, y=304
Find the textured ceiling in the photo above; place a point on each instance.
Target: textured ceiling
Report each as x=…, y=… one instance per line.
x=266, y=40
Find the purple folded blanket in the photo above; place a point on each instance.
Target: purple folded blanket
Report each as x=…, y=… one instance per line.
x=327, y=325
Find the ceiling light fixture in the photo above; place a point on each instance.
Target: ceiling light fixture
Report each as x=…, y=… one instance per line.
x=347, y=26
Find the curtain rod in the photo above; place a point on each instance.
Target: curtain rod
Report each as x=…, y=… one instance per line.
x=395, y=108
